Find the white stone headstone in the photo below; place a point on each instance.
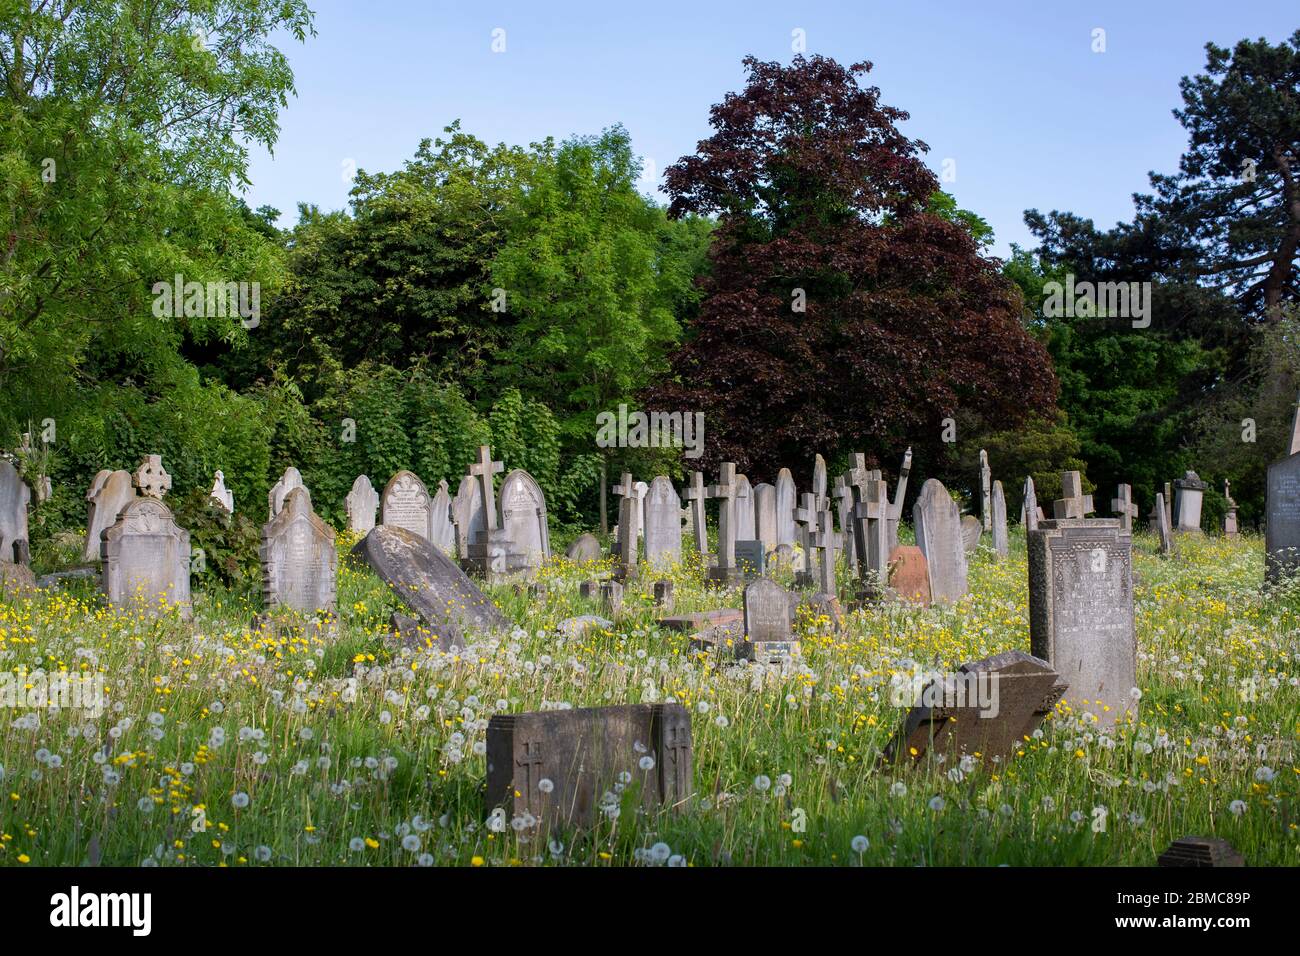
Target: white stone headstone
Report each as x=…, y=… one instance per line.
x=147, y=559
x=361, y=503
x=663, y=533
x=405, y=503
x=290, y=480
x=221, y=494
x=523, y=518
x=299, y=562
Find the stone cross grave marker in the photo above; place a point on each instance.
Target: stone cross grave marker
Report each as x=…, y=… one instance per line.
x=807, y=517
x=825, y=541
x=1073, y=502
x=629, y=515
x=696, y=495
x=483, y=470
x=151, y=478
x=843, y=494
x=871, y=522
x=725, y=491
x=1123, y=506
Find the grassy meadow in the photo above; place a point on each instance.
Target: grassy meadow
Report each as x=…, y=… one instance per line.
x=225, y=745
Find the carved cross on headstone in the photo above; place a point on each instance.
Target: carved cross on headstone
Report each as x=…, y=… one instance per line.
x=531, y=762
x=1123, y=506
x=696, y=494
x=857, y=475
x=678, y=749
x=152, y=480
x=484, y=469
x=1073, y=502
x=725, y=492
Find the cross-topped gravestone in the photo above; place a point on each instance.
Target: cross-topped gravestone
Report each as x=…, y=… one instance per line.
x=725, y=492
x=696, y=494
x=483, y=470
x=222, y=495
x=986, y=491
x=845, y=496
x=871, y=522
x=1122, y=505
x=1073, y=502
x=629, y=524
x=825, y=541
x=150, y=477
x=807, y=516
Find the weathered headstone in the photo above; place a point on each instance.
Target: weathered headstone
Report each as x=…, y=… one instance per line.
x=405, y=503
x=468, y=515
x=1189, y=492
x=1230, y=530
x=751, y=559
x=1029, y=507
x=663, y=595
x=147, y=559
x=1000, y=545
x=768, y=631
x=725, y=491
x=696, y=494
x=825, y=542
x=937, y=521
x=819, y=486
x=221, y=494
x=629, y=520
x=746, y=519
x=971, y=532
x=1122, y=505
x=808, y=517
x=1081, y=611
x=299, y=563
x=430, y=583
x=361, y=504
x=611, y=597
x=871, y=524
x=290, y=480
x=845, y=499
x=151, y=478
x=1193, y=851
x=765, y=515
x=107, y=498
x=900, y=495
x=584, y=549
x=909, y=574
x=554, y=767
x=1073, y=502
x=492, y=555
x=663, y=515
x=986, y=491
x=523, y=518
x=1163, y=532
x=786, y=503
x=988, y=707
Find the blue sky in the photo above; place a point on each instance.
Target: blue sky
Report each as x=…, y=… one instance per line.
x=1012, y=92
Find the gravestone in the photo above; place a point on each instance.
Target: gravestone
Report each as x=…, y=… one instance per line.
x=1193, y=851
x=1081, y=611
x=900, y=494
x=361, y=504
x=786, y=504
x=406, y=504
x=107, y=499
x=442, y=530
x=1189, y=493
x=430, y=584
x=751, y=559
x=611, y=597
x=1282, y=511
x=1029, y=510
x=765, y=514
x=845, y=498
x=523, y=518
x=725, y=491
x=871, y=524
x=589, y=590
x=299, y=563
x=971, y=532
x=663, y=595
x=746, y=519
x=290, y=480
x=491, y=552
x=825, y=542
x=629, y=518
x=1122, y=505
x=986, y=492
x=807, y=516
x=1000, y=545
x=663, y=533
x=14, y=499
x=909, y=574
x=1230, y=530
x=221, y=494
x=1073, y=502
x=768, y=632
x=937, y=521
x=467, y=515
x=1163, y=532
x=584, y=549
x=819, y=487
x=147, y=559
x=989, y=707
x=696, y=495
x=553, y=768
x=151, y=478
x=642, y=489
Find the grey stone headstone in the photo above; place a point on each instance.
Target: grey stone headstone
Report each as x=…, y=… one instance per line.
x=147, y=559
x=555, y=767
x=819, y=485
x=430, y=583
x=971, y=532
x=785, y=505
x=107, y=498
x=664, y=595
x=299, y=563
x=937, y=521
x=1163, y=532
x=406, y=504
x=765, y=514
x=986, y=492
x=1029, y=507
x=151, y=478
x=746, y=512
x=361, y=504
x=751, y=558
x=1081, y=611
x=1000, y=545
x=468, y=515
x=642, y=489
x=663, y=533
x=768, y=611
x=1189, y=493
x=14, y=499
x=611, y=597
x=584, y=549
x=523, y=517
x=290, y=480
x=441, y=527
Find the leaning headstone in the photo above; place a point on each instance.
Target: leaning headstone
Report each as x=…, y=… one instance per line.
x=785, y=507
x=1000, y=545
x=746, y=516
x=1081, y=611
x=1163, y=532
x=584, y=549
x=467, y=515
x=937, y=521
x=361, y=504
x=442, y=529
x=1193, y=851
x=290, y=480
x=222, y=495
x=909, y=575
x=147, y=559
x=663, y=533
x=768, y=632
x=765, y=514
x=971, y=532
x=299, y=563
x=1189, y=493
x=988, y=707
x=563, y=768
x=845, y=498
x=900, y=495
x=523, y=517
x=151, y=478
x=107, y=499
x=430, y=583
x=406, y=504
